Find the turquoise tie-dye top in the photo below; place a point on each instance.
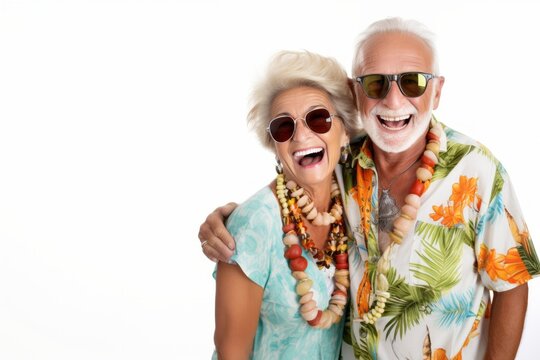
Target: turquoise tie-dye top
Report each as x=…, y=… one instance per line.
x=281, y=333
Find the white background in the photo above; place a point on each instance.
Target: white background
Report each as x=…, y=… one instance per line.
x=122, y=125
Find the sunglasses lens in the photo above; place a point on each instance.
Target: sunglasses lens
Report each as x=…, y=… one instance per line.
x=413, y=84
x=282, y=128
x=375, y=86
x=319, y=121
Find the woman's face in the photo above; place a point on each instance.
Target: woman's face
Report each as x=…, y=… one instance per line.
x=309, y=158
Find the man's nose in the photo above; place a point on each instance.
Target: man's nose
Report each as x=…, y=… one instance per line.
x=394, y=99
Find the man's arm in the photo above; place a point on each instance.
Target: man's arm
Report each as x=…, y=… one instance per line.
x=506, y=323
x=217, y=243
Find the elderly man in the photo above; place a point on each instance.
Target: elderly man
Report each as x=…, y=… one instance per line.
x=434, y=221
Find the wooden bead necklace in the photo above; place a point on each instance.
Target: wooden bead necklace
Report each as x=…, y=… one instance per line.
x=308, y=206
x=295, y=235
x=404, y=222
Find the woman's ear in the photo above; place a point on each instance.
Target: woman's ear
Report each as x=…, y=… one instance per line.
x=345, y=151
x=345, y=139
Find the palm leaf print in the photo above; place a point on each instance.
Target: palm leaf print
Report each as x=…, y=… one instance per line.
x=485, y=151
x=450, y=158
x=496, y=207
x=498, y=182
x=434, y=231
x=407, y=304
x=441, y=257
x=439, y=269
x=454, y=309
x=530, y=259
x=525, y=248
x=368, y=343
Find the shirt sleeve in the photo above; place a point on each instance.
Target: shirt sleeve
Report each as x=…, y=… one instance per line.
x=254, y=225
x=505, y=252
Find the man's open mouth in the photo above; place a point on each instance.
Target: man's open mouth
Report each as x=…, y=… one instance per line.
x=394, y=122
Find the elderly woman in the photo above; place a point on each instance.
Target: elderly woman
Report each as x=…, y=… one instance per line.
x=283, y=295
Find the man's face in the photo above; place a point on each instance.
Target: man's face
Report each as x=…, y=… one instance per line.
x=396, y=122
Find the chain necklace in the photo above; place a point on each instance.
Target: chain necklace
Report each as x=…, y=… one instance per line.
x=388, y=209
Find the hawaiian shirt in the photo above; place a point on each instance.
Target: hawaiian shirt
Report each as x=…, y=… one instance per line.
x=469, y=238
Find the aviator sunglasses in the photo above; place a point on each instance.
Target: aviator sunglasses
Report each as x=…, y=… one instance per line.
x=411, y=84
x=282, y=128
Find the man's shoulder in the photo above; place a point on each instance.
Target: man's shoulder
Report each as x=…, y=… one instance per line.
x=459, y=145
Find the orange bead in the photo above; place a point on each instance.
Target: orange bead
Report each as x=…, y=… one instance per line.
x=426, y=160
x=432, y=136
x=339, y=292
x=428, y=167
x=417, y=188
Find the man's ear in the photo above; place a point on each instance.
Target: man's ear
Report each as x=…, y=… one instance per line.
x=439, y=82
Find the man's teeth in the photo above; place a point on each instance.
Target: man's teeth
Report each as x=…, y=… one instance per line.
x=307, y=152
x=394, y=118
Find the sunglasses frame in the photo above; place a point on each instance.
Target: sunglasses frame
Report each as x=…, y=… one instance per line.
x=397, y=78
x=329, y=119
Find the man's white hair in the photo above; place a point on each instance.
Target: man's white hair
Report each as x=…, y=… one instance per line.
x=396, y=24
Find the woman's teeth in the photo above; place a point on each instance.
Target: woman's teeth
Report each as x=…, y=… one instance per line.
x=309, y=156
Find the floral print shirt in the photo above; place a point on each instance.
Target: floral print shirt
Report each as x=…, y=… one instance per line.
x=469, y=238
x=282, y=333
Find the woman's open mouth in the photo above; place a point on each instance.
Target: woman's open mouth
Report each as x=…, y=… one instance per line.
x=309, y=157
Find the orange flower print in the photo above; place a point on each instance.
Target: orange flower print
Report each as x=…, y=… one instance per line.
x=450, y=215
x=463, y=195
x=472, y=334
x=439, y=354
x=478, y=203
x=509, y=267
x=463, y=192
x=362, y=195
x=482, y=257
x=495, y=266
x=515, y=268
x=362, y=296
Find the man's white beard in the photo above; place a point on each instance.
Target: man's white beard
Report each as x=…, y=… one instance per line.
x=400, y=140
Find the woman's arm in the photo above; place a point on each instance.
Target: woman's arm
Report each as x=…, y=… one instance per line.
x=238, y=304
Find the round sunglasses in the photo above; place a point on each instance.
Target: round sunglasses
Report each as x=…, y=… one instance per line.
x=411, y=84
x=282, y=128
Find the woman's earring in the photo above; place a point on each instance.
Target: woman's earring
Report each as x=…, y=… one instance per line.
x=279, y=167
x=345, y=152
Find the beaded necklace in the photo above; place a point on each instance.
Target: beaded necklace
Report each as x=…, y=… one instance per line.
x=404, y=222
x=295, y=235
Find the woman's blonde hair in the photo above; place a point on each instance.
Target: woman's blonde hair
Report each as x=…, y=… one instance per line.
x=290, y=69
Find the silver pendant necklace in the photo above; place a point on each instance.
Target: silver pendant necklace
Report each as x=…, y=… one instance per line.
x=388, y=209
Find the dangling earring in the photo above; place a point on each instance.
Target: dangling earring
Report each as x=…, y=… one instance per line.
x=279, y=167
x=345, y=152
